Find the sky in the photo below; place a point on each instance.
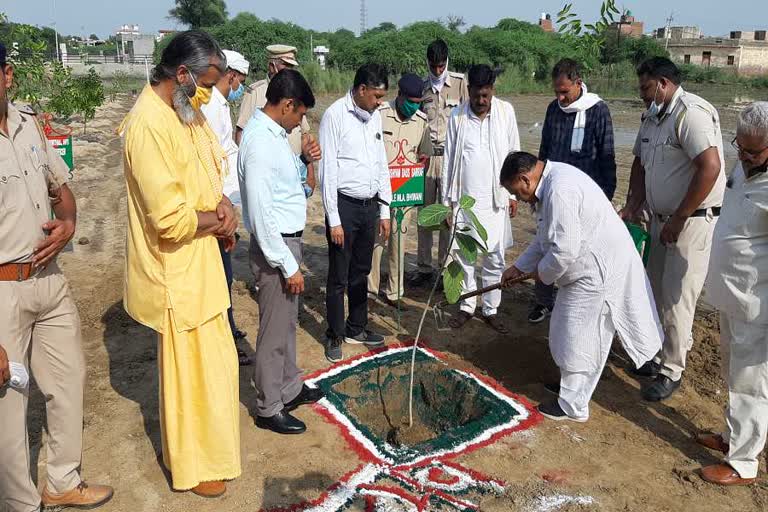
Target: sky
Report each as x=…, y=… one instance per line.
x=102, y=17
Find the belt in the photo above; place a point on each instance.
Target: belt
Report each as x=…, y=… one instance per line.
x=438, y=151
x=363, y=202
x=703, y=212
x=17, y=271
x=292, y=235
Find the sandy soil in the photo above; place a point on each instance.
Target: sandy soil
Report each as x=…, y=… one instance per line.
x=630, y=456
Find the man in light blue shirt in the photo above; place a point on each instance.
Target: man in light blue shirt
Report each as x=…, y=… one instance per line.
x=274, y=211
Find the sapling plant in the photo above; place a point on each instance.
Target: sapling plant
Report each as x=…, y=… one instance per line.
x=470, y=238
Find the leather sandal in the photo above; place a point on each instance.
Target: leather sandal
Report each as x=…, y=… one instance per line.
x=495, y=323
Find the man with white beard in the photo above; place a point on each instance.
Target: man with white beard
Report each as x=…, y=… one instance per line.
x=481, y=133
x=583, y=247
x=174, y=277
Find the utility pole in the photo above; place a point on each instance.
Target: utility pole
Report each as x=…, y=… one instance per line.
x=56, y=31
x=667, y=33
x=363, y=17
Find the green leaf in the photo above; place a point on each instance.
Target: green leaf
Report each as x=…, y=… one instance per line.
x=453, y=275
x=482, y=233
x=466, y=202
x=468, y=247
x=433, y=215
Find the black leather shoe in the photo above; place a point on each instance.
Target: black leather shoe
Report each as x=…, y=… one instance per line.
x=306, y=396
x=281, y=423
x=420, y=279
x=649, y=369
x=660, y=389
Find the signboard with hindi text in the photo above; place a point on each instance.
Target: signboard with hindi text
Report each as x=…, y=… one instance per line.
x=406, y=178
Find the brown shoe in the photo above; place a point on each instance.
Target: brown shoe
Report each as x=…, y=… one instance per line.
x=210, y=489
x=495, y=323
x=713, y=442
x=84, y=497
x=723, y=474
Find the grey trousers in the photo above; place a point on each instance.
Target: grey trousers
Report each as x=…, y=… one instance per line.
x=40, y=328
x=276, y=376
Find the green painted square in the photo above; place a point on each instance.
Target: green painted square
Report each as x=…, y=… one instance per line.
x=450, y=408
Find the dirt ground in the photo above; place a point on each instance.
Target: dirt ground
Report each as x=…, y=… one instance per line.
x=631, y=455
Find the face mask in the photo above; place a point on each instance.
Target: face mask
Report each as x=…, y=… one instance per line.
x=361, y=114
x=202, y=94
x=236, y=94
x=408, y=108
x=655, y=108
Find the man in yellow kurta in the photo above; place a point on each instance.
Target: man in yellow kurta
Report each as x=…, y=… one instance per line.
x=174, y=278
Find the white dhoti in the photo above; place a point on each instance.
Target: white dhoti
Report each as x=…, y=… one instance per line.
x=582, y=246
x=587, y=315
x=744, y=349
x=496, y=222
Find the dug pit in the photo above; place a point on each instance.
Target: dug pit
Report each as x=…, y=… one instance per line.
x=450, y=407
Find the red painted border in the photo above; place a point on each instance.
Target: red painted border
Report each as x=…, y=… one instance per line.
x=534, y=417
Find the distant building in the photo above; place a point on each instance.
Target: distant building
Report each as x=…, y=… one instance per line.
x=545, y=22
x=133, y=46
x=678, y=33
x=744, y=53
x=321, y=55
x=627, y=26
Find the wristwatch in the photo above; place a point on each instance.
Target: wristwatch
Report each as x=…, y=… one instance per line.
x=304, y=159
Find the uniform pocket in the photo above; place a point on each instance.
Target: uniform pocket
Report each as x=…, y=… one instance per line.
x=11, y=188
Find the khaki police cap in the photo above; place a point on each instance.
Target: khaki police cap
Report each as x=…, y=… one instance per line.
x=283, y=52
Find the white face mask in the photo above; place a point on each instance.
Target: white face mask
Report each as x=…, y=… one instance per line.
x=655, y=108
x=361, y=114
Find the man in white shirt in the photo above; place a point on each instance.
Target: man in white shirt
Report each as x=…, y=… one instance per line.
x=481, y=133
x=737, y=284
x=354, y=178
x=584, y=248
x=230, y=88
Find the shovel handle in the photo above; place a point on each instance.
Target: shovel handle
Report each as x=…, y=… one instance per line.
x=491, y=288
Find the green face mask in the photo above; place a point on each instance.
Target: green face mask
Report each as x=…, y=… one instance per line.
x=408, y=107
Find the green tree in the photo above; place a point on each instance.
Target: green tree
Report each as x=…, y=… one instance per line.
x=385, y=26
x=200, y=13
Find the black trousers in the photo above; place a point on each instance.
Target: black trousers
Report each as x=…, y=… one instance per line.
x=349, y=266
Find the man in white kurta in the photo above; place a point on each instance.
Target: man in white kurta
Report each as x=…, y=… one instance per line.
x=737, y=284
x=583, y=247
x=481, y=133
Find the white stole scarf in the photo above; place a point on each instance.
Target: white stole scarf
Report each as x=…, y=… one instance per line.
x=504, y=139
x=580, y=107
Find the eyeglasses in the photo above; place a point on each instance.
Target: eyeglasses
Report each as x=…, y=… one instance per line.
x=747, y=152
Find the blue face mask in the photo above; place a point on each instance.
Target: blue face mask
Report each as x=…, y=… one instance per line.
x=237, y=94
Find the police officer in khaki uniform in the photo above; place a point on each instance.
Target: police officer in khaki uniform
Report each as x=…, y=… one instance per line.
x=280, y=57
x=40, y=326
x=678, y=175
x=407, y=141
x=443, y=91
